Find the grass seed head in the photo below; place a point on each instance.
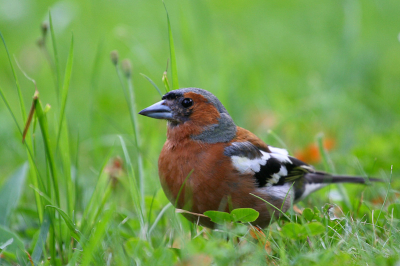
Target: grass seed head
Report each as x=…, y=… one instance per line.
x=114, y=57
x=127, y=67
x=44, y=27
x=40, y=42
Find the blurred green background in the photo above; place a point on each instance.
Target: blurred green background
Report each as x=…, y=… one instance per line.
x=296, y=67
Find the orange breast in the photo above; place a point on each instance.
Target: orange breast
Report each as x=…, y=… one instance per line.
x=213, y=185
x=202, y=190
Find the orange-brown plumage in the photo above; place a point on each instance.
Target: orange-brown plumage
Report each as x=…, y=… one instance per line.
x=213, y=181
x=212, y=164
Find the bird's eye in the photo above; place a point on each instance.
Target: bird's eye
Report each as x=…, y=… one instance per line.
x=187, y=102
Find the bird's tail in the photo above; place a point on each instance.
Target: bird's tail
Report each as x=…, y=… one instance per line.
x=318, y=180
x=323, y=178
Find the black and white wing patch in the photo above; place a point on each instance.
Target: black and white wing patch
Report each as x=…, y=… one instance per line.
x=267, y=167
x=275, y=168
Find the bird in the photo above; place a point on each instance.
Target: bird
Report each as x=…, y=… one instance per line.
x=209, y=163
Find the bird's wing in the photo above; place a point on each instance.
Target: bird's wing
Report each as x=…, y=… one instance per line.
x=270, y=168
x=274, y=167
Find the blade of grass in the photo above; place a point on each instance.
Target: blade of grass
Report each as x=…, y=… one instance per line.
x=158, y=218
x=65, y=88
x=54, y=180
x=10, y=193
x=16, y=245
x=62, y=131
x=165, y=81
x=49, y=153
x=40, y=244
x=106, y=195
x=279, y=210
x=135, y=193
x=21, y=99
x=174, y=71
x=287, y=195
x=75, y=173
x=275, y=136
x=7, y=243
x=33, y=176
x=387, y=193
x=33, y=167
x=328, y=165
x=137, y=141
x=10, y=110
x=52, y=244
x=75, y=232
x=130, y=100
x=30, y=117
x=151, y=208
x=66, y=164
x=32, y=109
x=152, y=83
x=56, y=61
x=92, y=244
x=331, y=169
x=43, y=195
x=90, y=210
x=68, y=186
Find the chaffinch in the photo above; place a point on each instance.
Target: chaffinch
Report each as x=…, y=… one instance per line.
x=209, y=163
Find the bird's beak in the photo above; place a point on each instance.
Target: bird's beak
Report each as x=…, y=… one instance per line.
x=157, y=110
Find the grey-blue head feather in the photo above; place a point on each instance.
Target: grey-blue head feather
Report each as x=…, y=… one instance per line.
x=224, y=131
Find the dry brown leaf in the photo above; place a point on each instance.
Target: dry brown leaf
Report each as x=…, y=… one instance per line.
x=297, y=210
x=257, y=233
x=188, y=212
x=176, y=244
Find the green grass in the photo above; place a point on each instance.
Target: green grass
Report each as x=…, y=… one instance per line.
x=83, y=188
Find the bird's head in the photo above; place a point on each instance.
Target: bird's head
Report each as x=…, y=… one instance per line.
x=193, y=113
